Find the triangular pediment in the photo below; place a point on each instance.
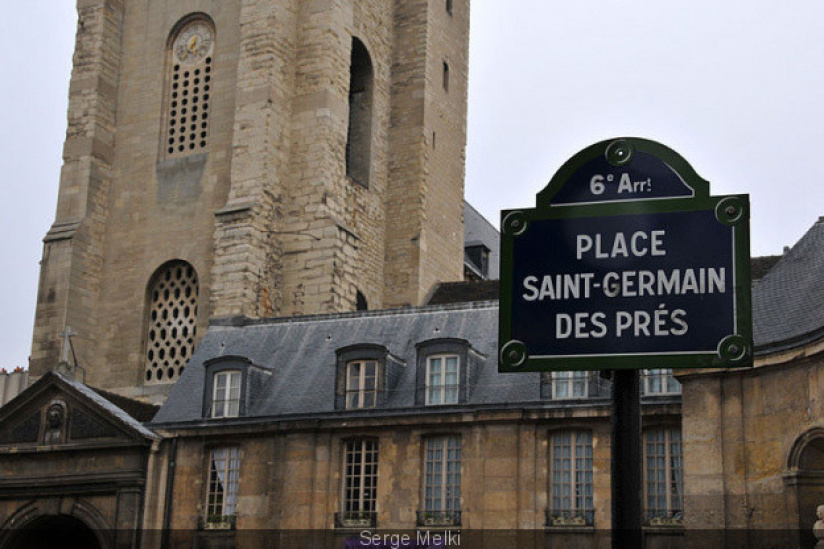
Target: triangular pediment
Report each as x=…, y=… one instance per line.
x=58, y=412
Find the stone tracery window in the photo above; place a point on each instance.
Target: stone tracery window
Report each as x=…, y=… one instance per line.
x=189, y=88
x=172, y=321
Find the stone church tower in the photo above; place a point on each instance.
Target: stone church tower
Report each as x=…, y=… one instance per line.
x=253, y=157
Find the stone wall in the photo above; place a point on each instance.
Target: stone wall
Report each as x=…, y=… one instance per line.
x=291, y=473
x=744, y=432
x=266, y=215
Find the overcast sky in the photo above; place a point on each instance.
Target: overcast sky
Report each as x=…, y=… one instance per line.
x=735, y=86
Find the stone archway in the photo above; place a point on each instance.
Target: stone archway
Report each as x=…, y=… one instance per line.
x=44, y=532
x=805, y=481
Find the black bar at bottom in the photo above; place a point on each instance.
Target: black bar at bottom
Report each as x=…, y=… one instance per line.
x=626, y=460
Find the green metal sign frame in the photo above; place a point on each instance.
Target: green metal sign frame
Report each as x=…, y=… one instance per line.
x=579, y=196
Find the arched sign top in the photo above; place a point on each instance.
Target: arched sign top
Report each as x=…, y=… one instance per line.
x=623, y=169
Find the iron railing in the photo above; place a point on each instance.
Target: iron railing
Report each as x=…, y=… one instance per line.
x=217, y=522
x=439, y=518
x=356, y=519
x=570, y=518
x=674, y=517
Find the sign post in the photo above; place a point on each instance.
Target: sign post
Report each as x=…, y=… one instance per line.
x=626, y=263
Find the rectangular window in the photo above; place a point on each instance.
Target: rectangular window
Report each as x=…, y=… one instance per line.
x=661, y=382
x=360, y=483
x=570, y=384
x=361, y=384
x=571, y=482
x=442, y=482
x=664, y=476
x=442, y=379
x=222, y=495
x=226, y=394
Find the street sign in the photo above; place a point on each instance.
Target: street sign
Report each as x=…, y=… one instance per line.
x=626, y=262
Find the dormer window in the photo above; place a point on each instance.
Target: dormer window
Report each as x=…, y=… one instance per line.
x=443, y=372
x=570, y=384
x=226, y=395
x=361, y=384
x=365, y=375
x=231, y=384
x=476, y=260
x=442, y=379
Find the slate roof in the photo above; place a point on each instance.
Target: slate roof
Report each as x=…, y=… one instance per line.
x=760, y=266
x=141, y=411
x=300, y=352
x=463, y=292
x=478, y=230
x=788, y=303
x=106, y=404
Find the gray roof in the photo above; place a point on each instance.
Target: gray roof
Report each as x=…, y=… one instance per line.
x=788, y=303
x=478, y=230
x=300, y=353
x=109, y=407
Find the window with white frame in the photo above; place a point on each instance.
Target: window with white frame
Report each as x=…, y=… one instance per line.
x=223, y=481
x=442, y=379
x=569, y=384
x=571, y=479
x=360, y=479
x=664, y=476
x=661, y=382
x=226, y=394
x=442, y=481
x=361, y=384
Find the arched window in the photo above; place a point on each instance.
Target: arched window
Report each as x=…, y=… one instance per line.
x=188, y=87
x=359, y=132
x=360, y=302
x=172, y=321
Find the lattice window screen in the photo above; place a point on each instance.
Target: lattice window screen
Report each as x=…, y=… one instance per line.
x=189, y=90
x=170, y=337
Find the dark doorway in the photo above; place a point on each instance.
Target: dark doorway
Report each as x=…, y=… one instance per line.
x=60, y=531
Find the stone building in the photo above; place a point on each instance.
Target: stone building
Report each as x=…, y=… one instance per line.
x=316, y=429
x=754, y=438
x=260, y=213
x=253, y=157
x=74, y=467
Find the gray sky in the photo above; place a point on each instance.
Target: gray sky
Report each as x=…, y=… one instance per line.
x=735, y=86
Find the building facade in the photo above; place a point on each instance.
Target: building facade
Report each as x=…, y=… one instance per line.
x=256, y=158
x=754, y=438
x=398, y=421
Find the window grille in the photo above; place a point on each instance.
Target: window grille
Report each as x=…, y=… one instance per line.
x=172, y=322
x=189, y=89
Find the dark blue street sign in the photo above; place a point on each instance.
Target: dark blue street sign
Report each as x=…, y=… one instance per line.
x=626, y=263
